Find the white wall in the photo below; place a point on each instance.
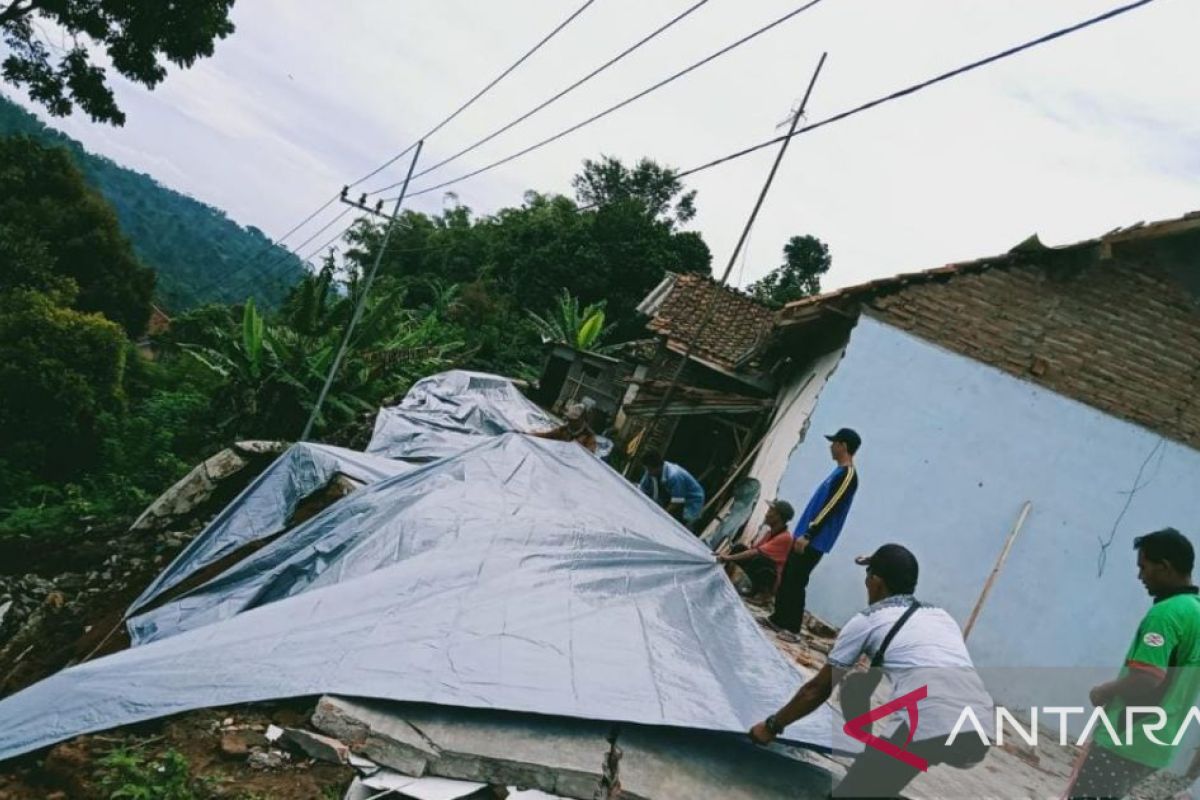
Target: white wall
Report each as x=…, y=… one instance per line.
x=952, y=448
x=794, y=406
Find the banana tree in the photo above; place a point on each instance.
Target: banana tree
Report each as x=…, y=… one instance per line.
x=567, y=324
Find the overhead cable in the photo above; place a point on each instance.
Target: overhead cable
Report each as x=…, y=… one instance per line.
x=916, y=87
x=600, y=115
x=628, y=50
x=491, y=84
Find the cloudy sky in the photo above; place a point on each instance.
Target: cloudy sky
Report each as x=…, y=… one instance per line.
x=1082, y=135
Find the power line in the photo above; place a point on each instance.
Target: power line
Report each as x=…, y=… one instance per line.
x=279, y=258
x=490, y=85
x=623, y=103
x=628, y=50
x=711, y=306
x=306, y=220
x=476, y=96
x=916, y=87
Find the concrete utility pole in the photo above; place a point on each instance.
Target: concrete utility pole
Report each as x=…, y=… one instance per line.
x=362, y=300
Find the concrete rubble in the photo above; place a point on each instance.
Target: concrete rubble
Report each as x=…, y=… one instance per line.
x=568, y=758
x=268, y=759
x=564, y=757
x=198, y=486
x=314, y=745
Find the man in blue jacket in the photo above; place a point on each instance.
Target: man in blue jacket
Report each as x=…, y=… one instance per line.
x=816, y=532
x=673, y=488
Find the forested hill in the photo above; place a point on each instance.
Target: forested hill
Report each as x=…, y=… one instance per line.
x=191, y=245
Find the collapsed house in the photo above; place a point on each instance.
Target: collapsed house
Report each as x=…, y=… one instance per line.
x=524, y=588
x=507, y=573
x=717, y=409
x=1067, y=378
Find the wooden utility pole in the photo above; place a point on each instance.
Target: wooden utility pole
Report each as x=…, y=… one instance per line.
x=712, y=303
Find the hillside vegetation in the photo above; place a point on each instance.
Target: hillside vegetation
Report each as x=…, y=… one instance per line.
x=189, y=244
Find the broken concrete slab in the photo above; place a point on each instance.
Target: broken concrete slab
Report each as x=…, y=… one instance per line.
x=190, y=491
x=260, y=447
x=564, y=757
x=658, y=763
x=194, y=489
x=372, y=731
x=314, y=745
x=547, y=753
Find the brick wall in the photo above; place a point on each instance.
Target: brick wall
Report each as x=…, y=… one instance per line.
x=1119, y=336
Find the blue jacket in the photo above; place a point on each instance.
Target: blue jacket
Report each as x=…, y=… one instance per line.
x=826, y=512
x=679, y=487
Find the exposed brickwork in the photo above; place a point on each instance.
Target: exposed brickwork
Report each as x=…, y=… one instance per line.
x=1119, y=336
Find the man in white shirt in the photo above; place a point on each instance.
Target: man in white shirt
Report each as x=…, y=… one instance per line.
x=926, y=663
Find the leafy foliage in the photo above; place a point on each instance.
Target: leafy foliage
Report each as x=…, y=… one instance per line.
x=654, y=188
x=615, y=252
x=137, y=38
x=61, y=370
x=190, y=245
x=569, y=325
x=128, y=774
x=98, y=431
x=270, y=375
x=806, y=259
x=57, y=232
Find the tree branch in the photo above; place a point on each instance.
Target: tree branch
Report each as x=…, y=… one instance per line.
x=15, y=11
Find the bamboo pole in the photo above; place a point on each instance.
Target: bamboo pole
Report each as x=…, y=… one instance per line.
x=987, y=586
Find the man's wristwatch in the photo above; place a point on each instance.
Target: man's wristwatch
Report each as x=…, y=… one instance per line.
x=773, y=726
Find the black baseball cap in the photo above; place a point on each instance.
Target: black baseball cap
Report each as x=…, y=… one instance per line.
x=784, y=508
x=895, y=565
x=848, y=437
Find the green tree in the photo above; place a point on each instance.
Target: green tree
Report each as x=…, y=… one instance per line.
x=198, y=254
x=60, y=372
x=310, y=306
x=270, y=374
x=806, y=259
x=137, y=38
x=655, y=188
x=53, y=226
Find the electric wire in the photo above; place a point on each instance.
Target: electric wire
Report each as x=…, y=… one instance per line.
x=618, y=106
x=463, y=107
x=562, y=93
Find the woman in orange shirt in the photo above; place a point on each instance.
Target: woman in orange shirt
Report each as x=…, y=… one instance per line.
x=763, y=563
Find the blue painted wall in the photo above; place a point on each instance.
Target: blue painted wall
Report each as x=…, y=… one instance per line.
x=952, y=448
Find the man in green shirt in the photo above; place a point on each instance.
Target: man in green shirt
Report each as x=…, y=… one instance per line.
x=1161, y=671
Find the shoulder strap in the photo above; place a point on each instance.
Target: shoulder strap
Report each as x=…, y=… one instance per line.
x=878, y=659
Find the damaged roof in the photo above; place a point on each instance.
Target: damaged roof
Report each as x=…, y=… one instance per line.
x=739, y=325
x=687, y=399
x=803, y=310
x=1112, y=322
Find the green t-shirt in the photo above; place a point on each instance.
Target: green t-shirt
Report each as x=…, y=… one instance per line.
x=1167, y=643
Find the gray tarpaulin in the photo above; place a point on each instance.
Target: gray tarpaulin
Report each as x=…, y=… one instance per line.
x=264, y=507
x=523, y=575
x=446, y=413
